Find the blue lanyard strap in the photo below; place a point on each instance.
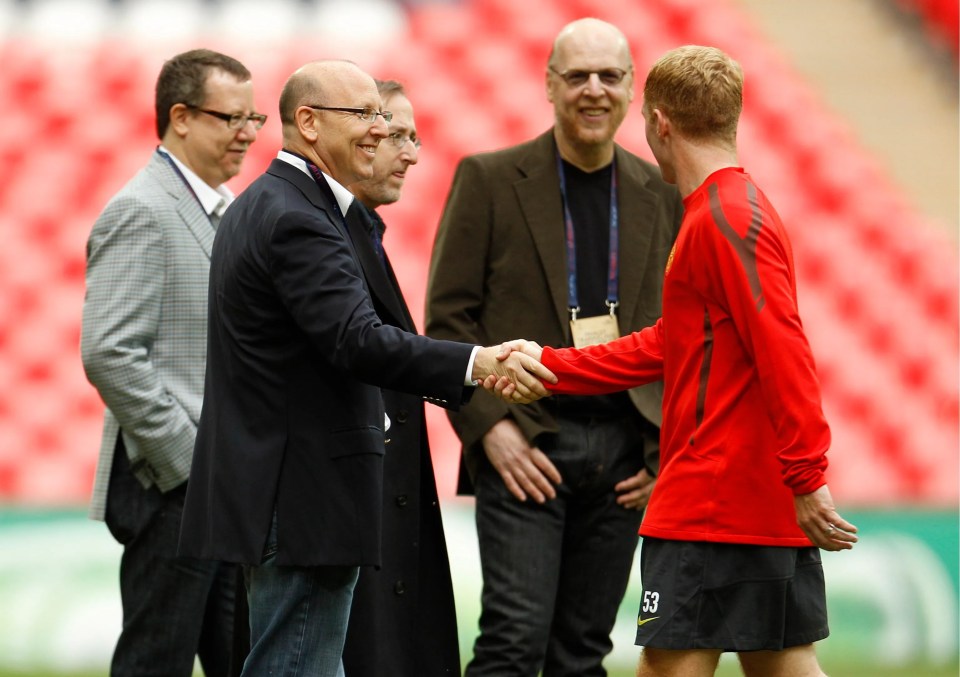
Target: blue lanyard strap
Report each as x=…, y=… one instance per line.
x=613, y=277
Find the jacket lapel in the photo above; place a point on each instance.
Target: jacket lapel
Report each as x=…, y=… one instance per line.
x=379, y=279
x=405, y=319
x=539, y=193
x=186, y=203
x=312, y=192
x=637, y=204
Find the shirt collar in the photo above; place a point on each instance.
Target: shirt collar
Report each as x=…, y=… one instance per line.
x=343, y=196
x=211, y=199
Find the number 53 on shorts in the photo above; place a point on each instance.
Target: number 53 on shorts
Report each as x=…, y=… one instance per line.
x=649, y=605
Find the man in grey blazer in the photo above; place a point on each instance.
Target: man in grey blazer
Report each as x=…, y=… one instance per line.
x=563, y=240
x=143, y=346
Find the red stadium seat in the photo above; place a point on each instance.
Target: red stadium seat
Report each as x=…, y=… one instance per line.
x=878, y=286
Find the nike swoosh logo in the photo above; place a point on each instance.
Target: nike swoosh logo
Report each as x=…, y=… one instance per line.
x=646, y=620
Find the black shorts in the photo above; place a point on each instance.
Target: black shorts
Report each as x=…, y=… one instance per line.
x=730, y=597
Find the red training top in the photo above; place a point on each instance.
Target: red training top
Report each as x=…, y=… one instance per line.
x=743, y=429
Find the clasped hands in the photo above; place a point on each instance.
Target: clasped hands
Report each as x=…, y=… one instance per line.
x=512, y=371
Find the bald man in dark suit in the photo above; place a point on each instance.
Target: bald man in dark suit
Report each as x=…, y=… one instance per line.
x=287, y=470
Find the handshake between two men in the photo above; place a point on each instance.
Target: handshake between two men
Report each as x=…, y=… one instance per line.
x=512, y=371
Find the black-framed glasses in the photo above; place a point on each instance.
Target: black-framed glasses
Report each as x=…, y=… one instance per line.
x=235, y=120
x=574, y=77
x=366, y=114
x=400, y=140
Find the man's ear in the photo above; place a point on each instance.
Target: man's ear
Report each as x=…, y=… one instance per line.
x=306, y=123
x=662, y=123
x=548, y=84
x=179, y=114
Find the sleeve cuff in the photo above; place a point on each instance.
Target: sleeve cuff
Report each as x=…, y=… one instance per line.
x=467, y=378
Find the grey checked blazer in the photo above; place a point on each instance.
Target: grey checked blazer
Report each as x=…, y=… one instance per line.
x=144, y=334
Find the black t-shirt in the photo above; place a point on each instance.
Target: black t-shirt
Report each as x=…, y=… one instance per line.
x=588, y=199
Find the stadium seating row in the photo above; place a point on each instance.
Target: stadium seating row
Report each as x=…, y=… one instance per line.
x=878, y=284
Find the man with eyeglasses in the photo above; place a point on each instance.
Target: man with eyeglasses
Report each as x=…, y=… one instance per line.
x=563, y=238
x=143, y=345
x=403, y=621
x=287, y=470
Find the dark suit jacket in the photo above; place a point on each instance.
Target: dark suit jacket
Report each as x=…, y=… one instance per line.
x=292, y=417
x=499, y=269
x=403, y=622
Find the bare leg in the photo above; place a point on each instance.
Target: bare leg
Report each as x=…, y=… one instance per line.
x=678, y=663
x=797, y=661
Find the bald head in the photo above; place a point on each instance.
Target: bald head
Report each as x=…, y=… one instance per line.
x=590, y=36
x=319, y=83
x=340, y=142
x=589, y=81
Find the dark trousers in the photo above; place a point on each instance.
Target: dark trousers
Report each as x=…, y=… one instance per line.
x=554, y=575
x=174, y=608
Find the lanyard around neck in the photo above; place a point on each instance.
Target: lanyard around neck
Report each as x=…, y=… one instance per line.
x=613, y=262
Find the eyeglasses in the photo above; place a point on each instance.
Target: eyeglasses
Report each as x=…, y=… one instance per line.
x=365, y=114
x=609, y=77
x=236, y=120
x=400, y=140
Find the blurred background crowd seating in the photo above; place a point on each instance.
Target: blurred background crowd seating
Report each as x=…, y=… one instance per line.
x=877, y=256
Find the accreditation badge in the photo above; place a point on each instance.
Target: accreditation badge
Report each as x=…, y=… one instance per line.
x=590, y=331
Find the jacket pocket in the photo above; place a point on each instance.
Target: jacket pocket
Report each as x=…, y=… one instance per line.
x=358, y=440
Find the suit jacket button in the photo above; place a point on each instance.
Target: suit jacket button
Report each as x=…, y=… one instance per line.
x=402, y=416
x=402, y=500
x=399, y=588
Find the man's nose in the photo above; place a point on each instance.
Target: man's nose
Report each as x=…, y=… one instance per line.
x=409, y=153
x=594, y=86
x=248, y=132
x=380, y=128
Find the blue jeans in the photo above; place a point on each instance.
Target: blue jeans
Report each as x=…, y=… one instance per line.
x=554, y=574
x=298, y=617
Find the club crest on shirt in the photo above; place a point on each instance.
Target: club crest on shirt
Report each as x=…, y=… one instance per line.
x=673, y=250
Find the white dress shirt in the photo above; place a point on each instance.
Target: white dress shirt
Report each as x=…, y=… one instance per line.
x=213, y=200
